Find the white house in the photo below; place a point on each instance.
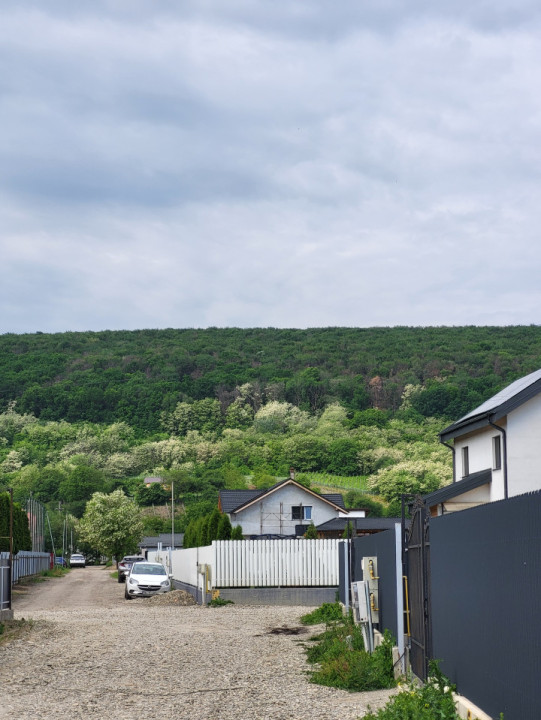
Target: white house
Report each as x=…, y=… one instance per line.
x=282, y=510
x=496, y=449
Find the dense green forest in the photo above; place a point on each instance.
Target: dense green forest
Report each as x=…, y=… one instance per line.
x=358, y=410
x=104, y=377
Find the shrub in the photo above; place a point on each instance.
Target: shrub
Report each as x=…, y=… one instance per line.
x=342, y=660
x=328, y=612
x=432, y=701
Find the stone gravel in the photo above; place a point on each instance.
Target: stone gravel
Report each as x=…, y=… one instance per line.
x=146, y=660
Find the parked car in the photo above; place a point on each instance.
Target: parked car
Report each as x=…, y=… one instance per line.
x=146, y=579
x=125, y=565
x=77, y=560
x=59, y=560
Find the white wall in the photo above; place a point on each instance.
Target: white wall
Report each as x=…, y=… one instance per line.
x=272, y=515
x=480, y=458
x=185, y=562
x=524, y=447
x=523, y=428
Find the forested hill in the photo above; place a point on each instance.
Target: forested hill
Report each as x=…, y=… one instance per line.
x=136, y=375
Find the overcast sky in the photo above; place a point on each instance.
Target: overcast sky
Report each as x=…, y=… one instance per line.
x=253, y=163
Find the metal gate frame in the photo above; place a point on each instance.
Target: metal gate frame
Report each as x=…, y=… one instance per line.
x=417, y=561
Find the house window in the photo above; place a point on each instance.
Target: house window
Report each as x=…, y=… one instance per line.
x=497, y=452
x=465, y=461
x=301, y=512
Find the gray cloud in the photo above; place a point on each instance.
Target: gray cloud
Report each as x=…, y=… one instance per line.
x=251, y=164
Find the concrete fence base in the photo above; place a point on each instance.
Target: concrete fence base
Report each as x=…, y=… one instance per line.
x=309, y=597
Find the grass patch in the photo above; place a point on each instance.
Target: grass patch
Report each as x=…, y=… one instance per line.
x=56, y=572
x=328, y=612
x=14, y=629
x=114, y=575
x=219, y=602
x=341, y=660
x=431, y=701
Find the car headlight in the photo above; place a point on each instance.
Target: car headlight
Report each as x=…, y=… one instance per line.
x=165, y=583
x=132, y=581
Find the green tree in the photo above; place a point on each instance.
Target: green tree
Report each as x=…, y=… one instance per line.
x=224, y=528
x=311, y=532
x=236, y=533
x=112, y=524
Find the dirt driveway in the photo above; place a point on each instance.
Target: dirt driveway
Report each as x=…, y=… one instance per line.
x=91, y=654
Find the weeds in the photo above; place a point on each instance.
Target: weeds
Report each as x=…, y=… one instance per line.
x=219, y=602
x=431, y=701
x=328, y=612
x=343, y=662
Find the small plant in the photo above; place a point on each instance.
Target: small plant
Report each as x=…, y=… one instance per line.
x=328, y=612
x=57, y=571
x=432, y=701
x=220, y=602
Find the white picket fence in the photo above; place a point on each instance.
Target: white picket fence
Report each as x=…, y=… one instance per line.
x=275, y=563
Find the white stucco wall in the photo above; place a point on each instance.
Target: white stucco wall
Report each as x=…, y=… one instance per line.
x=272, y=515
x=524, y=447
x=481, y=458
x=523, y=428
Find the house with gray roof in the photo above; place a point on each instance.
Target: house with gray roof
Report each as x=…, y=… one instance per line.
x=283, y=510
x=496, y=449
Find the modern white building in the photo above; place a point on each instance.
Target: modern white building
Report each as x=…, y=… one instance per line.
x=496, y=449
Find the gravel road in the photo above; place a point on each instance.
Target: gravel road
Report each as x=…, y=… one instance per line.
x=92, y=654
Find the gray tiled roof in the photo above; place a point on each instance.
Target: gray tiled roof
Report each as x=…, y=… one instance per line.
x=164, y=538
x=233, y=499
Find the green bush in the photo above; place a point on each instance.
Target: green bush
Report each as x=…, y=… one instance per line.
x=343, y=662
x=328, y=612
x=431, y=701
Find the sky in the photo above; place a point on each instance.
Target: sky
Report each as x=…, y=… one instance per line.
x=245, y=163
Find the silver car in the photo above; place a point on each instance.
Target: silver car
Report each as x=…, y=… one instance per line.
x=146, y=579
x=77, y=560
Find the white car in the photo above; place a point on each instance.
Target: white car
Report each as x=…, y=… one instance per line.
x=77, y=560
x=146, y=579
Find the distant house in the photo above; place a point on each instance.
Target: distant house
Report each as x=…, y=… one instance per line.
x=153, y=543
x=360, y=526
x=496, y=449
x=284, y=510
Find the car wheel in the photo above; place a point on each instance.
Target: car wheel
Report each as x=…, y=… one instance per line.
x=126, y=594
x=119, y=578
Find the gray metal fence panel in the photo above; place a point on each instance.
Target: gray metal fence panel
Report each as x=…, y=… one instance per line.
x=26, y=563
x=383, y=546
x=486, y=589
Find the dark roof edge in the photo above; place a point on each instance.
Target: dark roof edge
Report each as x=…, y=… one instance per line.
x=468, y=424
x=475, y=480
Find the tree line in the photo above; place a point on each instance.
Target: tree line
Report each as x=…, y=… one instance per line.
x=137, y=376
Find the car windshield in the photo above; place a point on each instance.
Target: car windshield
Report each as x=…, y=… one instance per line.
x=147, y=569
x=76, y=557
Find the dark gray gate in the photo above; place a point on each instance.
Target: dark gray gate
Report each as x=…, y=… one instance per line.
x=418, y=574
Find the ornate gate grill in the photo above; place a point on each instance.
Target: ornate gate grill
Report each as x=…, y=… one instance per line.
x=418, y=572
